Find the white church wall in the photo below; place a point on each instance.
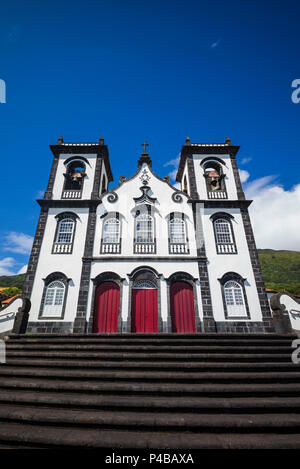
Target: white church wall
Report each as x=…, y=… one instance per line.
x=61, y=170
x=227, y=169
x=69, y=264
x=220, y=264
x=126, y=206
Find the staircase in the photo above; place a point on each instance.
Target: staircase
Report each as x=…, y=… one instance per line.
x=150, y=391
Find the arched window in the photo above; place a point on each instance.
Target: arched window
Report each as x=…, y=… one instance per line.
x=178, y=243
x=234, y=299
x=177, y=231
x=74, y=179
x=111, y=231
x=144, y=228
x=214, y=177
x=65, y=231
x=111, y=235
x=54, y=299
x=64, y=237
x=144, y=242
x=224, y=236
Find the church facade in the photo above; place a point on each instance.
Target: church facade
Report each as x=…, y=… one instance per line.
x=145, y=256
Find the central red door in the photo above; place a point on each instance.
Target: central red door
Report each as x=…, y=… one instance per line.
x=182, y=307
x=106, y=309
x=144, y=310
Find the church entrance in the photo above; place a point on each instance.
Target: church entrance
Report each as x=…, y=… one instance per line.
x=182, y=307
x=144, y=307
x=106, y=309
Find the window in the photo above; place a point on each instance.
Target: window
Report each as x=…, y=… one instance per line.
x=215, y=182
x=223, y=231
x=177, y=231
x=65, y=231
x=144, y=229
x=103, y=186
x=234, y=299
x=54, y=299
x=224, y=236
x=74, y=179
x=111, y=231
x=185, y=186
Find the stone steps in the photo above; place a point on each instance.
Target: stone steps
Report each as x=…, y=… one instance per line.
x=150, y=391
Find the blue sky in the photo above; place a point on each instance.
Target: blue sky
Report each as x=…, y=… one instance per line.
x=154, y=70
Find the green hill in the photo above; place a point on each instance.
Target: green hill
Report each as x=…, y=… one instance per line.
x=12, y=280
x=281, y=270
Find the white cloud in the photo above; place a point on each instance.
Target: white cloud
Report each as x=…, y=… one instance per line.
x=246, y=160
x=18, y=242
x=215, y=44
x=244, y=175
x=174, y=163
x=6, y=266
x=274, y=213
x=23, y=270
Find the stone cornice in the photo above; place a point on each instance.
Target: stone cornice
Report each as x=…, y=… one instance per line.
x=138, y=258
x=222, y=203
x=50, y=203
x=84, y=148
x=204, y=149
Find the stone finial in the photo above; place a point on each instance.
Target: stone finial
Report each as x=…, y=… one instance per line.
x=101, y=140
x=60, y=140
x=167, y=179
x=122, y=179
x=187, y=141
x=228, y=141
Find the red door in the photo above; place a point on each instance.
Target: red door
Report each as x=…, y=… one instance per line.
x=106, y=309
x=144, y=310
x=182, y=307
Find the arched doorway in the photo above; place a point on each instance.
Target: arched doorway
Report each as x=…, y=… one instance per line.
x=144, y=307
x=106, y=307
x=182, y=307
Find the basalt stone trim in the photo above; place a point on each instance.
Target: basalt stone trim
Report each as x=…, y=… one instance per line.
x=203, y=271
x=80, y=320
x=266, y=313
x=35, y=252
x=244, y=327
x=192, y=179
x=97, y=176
x=236, y=174
x=49, y=327
x=49, y=191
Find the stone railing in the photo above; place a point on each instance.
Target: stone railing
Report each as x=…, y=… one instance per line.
x=286, y=312
x=14, y=315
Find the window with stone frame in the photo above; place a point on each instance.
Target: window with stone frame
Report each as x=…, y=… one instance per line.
x=224, y=236
x=234, y=299
x=65, y=233
x=54, y=296
x=178, y=242
x=111, y=235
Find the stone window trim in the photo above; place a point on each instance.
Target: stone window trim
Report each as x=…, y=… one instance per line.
x=241, y=281
x=146, y=210
x=105, y=218
x=106, y=277
x=172, y=216
x=229, y=218
x=188, y=278
x=59, y=218
x=61, y=277
x=149, y=274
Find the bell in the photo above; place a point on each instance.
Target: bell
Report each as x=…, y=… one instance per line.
x=76, y=176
